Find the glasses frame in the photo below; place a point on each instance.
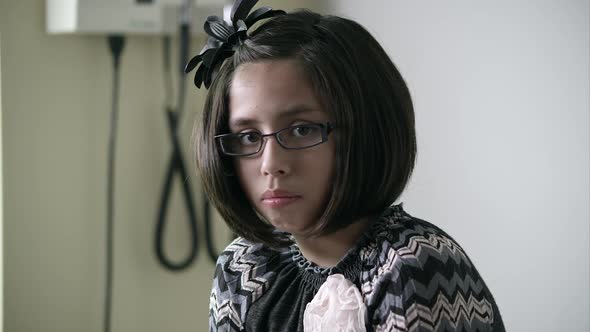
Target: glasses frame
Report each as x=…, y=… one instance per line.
x=325, y=128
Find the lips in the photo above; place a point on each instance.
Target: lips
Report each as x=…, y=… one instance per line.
x=278, y=198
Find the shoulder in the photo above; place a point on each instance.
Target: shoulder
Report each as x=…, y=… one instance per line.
x=417, y=242
x=242, y=256
x=420, y=276
x=245, y=264
x=398, y=235
x=242, y=273
x=400, y=243
x=399, y=238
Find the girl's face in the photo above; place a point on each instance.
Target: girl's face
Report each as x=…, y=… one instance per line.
x=289, y=188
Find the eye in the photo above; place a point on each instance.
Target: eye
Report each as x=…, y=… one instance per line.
x=250, y=138
x=302, y=130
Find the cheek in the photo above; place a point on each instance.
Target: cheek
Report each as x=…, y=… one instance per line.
x=246, y=172
x=322, y=167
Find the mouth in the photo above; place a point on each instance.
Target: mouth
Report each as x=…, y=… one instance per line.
x=276, y=199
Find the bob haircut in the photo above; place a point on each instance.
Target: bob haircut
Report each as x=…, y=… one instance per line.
x=357, y=83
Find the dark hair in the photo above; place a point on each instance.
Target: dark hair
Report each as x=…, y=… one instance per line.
x=356, y=82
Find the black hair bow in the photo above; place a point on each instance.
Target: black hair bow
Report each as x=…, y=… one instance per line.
x=224, y=38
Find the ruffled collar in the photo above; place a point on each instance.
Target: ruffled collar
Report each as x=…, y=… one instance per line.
x=350, y=265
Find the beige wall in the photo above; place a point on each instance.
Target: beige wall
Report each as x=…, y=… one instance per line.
x=55, y=114
x=1, y=207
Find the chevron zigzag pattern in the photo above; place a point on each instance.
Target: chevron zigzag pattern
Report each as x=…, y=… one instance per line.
x=413, y=277
x=243, y=273
x=442, y=291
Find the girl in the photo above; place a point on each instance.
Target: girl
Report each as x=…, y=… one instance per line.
x=306, y=141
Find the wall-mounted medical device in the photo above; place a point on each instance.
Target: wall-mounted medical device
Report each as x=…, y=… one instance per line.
x=127, y=16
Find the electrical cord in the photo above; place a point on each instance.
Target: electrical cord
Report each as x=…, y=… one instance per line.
x=184, y=55
x=176, y=164
x=167, y=73
x=116, y=44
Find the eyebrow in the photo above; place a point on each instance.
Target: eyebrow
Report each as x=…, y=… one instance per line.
x=292, y=111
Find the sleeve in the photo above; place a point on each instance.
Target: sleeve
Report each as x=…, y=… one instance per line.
x=240, y=277
x=224, y=313
x=433, y=286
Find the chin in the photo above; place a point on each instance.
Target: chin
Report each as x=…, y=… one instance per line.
x=291, y=226
x=296, y=229
x=291, y=219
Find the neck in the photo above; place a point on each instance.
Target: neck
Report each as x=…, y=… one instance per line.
x=328, y=250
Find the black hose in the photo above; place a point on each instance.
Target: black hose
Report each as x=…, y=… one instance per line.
x=116, y=44
x=176, y=165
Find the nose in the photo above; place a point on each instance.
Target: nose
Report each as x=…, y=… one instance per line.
x=275, y=158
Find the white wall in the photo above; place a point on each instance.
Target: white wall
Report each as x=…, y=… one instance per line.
x=501, y=94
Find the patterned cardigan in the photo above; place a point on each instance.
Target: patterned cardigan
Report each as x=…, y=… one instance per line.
x=412, y=277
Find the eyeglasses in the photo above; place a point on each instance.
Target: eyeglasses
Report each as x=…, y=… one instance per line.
x=292, y=138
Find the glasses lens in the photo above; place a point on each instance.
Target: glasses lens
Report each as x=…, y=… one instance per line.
x=301, y=136
x=243, y=143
